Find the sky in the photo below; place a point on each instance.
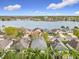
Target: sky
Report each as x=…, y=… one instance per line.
x=39, y=7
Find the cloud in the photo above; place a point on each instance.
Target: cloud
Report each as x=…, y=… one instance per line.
x=77, y=12
x=43, y=12
x=62, y=4
x=36, y=11
x=12, y=7
x=39, y=11
x=58, y=14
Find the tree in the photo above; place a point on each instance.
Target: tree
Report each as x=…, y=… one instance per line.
x=62, y=27
x=76, y=27
x=76, y=32
x=13, y=32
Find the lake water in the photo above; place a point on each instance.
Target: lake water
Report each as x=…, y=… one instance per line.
x=39, y=24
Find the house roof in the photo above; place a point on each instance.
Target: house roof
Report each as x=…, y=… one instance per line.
x=4, y=43
x=23, y=43
x=73, y=43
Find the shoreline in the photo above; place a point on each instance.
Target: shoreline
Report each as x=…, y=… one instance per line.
x=40, y=18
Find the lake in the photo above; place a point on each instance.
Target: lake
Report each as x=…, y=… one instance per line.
x=39, y=24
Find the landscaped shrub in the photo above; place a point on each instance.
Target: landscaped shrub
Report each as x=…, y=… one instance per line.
x=41, y=54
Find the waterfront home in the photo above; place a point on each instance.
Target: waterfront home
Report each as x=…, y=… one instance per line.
x=20, y=45
x=72, y=35
x=58, y=45
x=5, y=44
x=39, y=43
x=73, y=43
x=55, y=30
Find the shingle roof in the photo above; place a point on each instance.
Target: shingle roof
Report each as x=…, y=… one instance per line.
x=73, y=43
x=4, y=43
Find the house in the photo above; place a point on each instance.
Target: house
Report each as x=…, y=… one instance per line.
x=73, y=43
x=5, y=44
x=57, y=44
x=20, y=44
x=23, y=43
x=72, y=35
x=39, y=43
x=69, y=38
